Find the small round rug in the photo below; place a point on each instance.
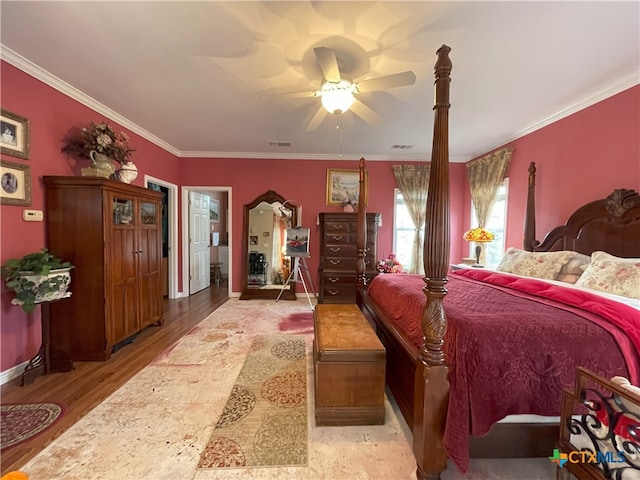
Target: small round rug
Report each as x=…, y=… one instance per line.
x=20, y=422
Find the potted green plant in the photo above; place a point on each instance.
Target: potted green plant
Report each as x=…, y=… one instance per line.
x=37, y=277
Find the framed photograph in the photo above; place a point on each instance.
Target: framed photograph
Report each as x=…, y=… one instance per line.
x=14, y=135
x=15, y=183
x=297, y=242
x=343, y=185
x=253, y=239
x=214, y=211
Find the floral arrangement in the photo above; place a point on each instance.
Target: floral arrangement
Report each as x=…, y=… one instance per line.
x=102, y=138
x=348, y=205
x=390, y=265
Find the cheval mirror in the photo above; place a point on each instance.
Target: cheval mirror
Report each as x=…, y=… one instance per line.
x=265, y=269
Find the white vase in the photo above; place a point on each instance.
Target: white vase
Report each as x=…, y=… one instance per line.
x=101, y=166
x=127, y=173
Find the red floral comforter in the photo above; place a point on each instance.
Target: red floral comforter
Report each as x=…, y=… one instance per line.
x=513, y=344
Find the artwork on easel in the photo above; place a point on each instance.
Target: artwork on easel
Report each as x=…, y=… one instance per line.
x=297, y=242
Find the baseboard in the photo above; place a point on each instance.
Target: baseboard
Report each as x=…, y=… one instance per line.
x=13, y=372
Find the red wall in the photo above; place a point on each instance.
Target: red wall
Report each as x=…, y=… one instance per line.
x=51, y=114
x=579, y=158
x=305, y=182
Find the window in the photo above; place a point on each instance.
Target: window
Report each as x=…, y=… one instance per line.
x=496, y=223
x=403, y=232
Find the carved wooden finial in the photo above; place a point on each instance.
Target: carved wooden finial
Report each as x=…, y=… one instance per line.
x=621, y=201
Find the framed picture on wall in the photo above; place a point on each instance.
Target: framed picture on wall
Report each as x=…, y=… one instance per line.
x=15, y=184
x=343, y=185
x=214, y=210
x=14, y=135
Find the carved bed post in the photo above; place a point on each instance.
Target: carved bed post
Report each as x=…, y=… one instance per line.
x=361, y=229
x=432, y=385
x=530, y=213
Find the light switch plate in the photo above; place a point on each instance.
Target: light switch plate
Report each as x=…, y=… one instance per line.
x=32, y=215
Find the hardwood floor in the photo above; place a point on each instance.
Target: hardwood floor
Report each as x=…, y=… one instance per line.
x=91, y=382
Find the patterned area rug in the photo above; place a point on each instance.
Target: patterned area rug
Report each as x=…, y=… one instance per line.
x=19, y=423
x=264, y=422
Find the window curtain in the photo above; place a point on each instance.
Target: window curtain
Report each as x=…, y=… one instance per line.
x=485, y=176
x=413, y=182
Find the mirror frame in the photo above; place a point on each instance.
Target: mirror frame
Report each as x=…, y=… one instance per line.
x=262, y=293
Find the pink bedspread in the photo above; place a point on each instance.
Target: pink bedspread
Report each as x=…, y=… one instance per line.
x=513, y=344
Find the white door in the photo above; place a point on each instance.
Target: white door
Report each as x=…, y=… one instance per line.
x=199, y=251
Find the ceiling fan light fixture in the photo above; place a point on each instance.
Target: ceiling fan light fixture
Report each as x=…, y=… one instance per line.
x=337, y=97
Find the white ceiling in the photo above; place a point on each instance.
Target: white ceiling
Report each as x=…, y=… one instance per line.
x=192, y=76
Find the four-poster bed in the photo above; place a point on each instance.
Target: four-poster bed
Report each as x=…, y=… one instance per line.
x=442, y=399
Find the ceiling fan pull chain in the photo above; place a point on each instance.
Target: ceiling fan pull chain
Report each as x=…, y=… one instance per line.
x=339, y=127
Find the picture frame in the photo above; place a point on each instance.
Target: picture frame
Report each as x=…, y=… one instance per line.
x=15, y=183
x=253, y=240
x=214, y=211
x=297, y=242
x=14, y=135
x=343, y=185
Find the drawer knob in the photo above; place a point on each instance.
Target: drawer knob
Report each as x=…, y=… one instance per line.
x=335, y=249
x=333, y=292
x=333, y=280
x=334, y=262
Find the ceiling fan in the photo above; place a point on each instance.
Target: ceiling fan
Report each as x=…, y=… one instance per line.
x=337, y=93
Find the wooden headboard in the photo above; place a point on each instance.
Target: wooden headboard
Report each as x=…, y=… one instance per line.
x=610, y=224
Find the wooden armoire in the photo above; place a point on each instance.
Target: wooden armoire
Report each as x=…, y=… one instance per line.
x=338, y=255
x=112, y=233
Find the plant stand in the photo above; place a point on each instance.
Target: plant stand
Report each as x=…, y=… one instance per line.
x=47, y=360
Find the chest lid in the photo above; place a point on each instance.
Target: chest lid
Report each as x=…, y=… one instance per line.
x=343, y=334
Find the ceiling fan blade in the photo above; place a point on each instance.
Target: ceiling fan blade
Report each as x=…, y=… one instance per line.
x=364, y=112
x=328, y=63
x=316, y=120
x=306, y=94
x=388, y=81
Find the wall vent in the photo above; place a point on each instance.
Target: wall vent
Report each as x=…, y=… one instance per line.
x=402, y=147
x=279, y=144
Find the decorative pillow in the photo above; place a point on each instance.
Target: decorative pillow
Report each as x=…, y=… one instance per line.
x=567, y=277
x=576, y=264
x=545, y=265
x=606, y=273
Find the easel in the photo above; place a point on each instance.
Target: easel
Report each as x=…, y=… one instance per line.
x=297, y=275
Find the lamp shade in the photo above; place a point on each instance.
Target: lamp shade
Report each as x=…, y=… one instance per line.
x=479, y=235
x=337, y=97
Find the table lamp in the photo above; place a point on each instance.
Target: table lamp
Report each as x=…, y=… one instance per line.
x=479, y=236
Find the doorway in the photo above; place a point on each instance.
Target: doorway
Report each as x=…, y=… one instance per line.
x=218, y=236
x=169, y=233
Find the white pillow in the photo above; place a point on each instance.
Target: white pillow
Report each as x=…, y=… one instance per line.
x=606, y=273
x=544, y=265
x=576, y=264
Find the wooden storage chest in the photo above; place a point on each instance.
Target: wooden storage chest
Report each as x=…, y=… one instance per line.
x=349, y=368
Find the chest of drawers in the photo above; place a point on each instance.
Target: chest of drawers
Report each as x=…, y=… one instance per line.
x=339, y=253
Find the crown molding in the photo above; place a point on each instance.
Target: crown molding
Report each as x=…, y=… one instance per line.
x=44, y=76
x=621, y=85
x=317, y=156
x=39, y=73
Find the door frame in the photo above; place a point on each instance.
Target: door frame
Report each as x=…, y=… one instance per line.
x=173, y=231
x=186, y=232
